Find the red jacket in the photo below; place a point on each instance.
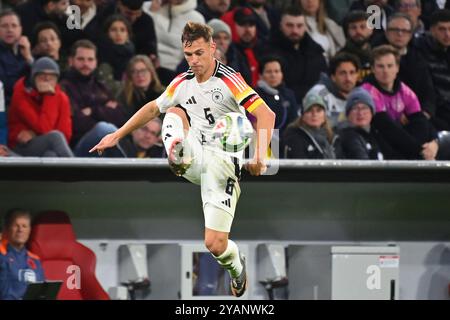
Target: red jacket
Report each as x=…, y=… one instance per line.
x=40, y=113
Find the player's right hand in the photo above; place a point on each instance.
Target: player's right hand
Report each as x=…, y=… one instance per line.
x=108, y=141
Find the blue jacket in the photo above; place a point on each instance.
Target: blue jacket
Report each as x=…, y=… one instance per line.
x=12, y=67
x=17, y=269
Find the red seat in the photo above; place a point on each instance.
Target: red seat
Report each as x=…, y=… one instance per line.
x=63, y=258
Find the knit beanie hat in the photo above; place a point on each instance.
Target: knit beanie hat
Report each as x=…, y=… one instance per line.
x=219, y=26
x=44, y=64
x=312, y=99
x=359, y=95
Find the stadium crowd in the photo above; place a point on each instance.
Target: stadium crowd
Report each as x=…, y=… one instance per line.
x=345, y=81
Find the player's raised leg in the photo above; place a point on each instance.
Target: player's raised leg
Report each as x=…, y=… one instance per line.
x=227, y=254
x=174, y=131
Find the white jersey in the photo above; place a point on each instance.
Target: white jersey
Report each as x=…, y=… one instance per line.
x=226, y=91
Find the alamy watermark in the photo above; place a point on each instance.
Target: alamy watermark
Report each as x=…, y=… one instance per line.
x=374, y=20
x=73, y=21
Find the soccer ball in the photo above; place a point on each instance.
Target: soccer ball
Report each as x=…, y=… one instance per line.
x=233, y=132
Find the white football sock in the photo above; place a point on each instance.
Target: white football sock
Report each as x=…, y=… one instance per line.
x=172, y=128
x=230, y=260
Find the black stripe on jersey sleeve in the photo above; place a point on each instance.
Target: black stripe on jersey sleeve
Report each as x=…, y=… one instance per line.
x=244, y=101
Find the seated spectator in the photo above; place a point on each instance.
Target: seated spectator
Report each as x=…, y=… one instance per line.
x=213, y=9
x=92, y=15
x=115, y=50
x=141, y=84
x=303, y=56
x=431, y=6
x=33, y=12
x=247, y=42
x=95, y=112
x=358, y=40
x=434, y=48
x=278, y=97
x=399, y=35
x=39, y=117
x=385, y=12
x=170, y=18
x=47, y=42
x=399, y=117
x=18, y=266
x=413, y=9
x=267, y=17
x=322, y=29
x=15, y=52
x=142, y=25
x=360, y=140
x=334, y=89
x=310, y=136
x=144, y=142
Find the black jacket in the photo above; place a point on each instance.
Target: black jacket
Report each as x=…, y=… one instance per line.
x=129, y=150
x=358, y=143
x=298, y=143
x=117, y=56
x=302, y=66
x=438, y=60
x=281, y=101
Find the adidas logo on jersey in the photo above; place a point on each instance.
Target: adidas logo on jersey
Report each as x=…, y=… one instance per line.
x=191, y=101
x=227, y=203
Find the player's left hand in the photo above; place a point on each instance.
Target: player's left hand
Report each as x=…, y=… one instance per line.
x=256, y=167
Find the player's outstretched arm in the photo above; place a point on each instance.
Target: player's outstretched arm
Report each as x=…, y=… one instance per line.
x=265, y=122
x=141, y=117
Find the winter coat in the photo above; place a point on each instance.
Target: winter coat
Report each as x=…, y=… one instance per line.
x=302, y=66
x=40, y=113
x=89, y=92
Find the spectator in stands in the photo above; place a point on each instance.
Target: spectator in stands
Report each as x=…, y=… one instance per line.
x=114, y=51
x=91, y=22
x=399, y=117
x=18, y=266
x=247, y=42
x=434, y=48
x=381, y=18
x=144, y=142
x=322, y=29
x=170, y=18
x=274, y=92
x=358, y=40
x=39, y=118
x=47, y=42
x=213, y=9
x=33, y=12
x=267, y=17
x=399, y=35
x=95, y=112
x=303, y=57
x=334, y=89
x=360, y=140
x=431, y=6
x=15, y=52
x=235, y=59
x=310, y=136
x=413, y=9
x=142, y=25
x=141, y=84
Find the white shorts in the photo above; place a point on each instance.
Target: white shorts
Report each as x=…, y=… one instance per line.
x=218, y=175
